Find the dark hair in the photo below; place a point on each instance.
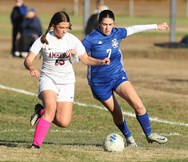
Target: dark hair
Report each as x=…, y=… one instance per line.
x=106, y=14
x=58, y=17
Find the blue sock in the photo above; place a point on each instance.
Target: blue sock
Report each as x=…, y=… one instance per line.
x=124, y=129
x=145, y=123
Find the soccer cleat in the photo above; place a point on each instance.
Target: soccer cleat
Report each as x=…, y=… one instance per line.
x=156, y=138
x=131, y=142
x=35, y=117
x=33, y=146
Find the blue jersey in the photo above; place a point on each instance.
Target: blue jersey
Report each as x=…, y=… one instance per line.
x=100, y=46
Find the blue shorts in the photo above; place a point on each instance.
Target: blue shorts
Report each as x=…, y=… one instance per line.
x=103, y=92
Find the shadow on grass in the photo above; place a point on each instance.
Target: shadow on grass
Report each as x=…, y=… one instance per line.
x=17, y=143
x=12, y=143
x=178, y=80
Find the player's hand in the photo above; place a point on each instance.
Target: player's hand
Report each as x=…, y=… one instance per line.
x=70, y=52
x=34, y=72
x=163, y=26
x=106, y=61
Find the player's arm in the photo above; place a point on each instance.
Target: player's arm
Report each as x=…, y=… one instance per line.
x=28, y=63
x=141, y=28
x=87, y=60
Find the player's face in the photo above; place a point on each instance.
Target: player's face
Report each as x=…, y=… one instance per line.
x=106, y=26
x=61, y=28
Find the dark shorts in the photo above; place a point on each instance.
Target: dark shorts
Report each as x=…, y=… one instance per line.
x=103, y=91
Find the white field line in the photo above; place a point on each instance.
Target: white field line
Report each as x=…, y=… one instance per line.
x=74, y=131
x=155, y=119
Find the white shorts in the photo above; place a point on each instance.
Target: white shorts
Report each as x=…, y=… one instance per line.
x=65, y=92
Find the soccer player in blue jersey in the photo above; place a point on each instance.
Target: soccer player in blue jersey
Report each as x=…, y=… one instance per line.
x=107, y=80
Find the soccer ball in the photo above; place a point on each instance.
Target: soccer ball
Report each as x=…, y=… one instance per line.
x=113, y=143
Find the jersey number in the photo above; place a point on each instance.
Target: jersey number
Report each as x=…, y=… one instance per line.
x=109, y=51
x=59, y=62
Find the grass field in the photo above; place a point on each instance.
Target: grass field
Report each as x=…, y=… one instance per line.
x=159, y=75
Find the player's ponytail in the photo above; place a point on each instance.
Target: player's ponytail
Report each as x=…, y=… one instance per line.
x=43, y=38
x=55, y=20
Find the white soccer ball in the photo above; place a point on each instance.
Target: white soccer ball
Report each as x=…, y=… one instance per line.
x=113, y=143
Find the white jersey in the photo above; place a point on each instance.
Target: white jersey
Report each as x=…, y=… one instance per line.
x=54, y=65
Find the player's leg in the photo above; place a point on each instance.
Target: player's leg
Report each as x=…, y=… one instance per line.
x=64, y=105
x=62, y=117
x=112, y=105
x=44, y=84
x=105, y=95
x=127, y=92
x=64, y=114
x=49, y=101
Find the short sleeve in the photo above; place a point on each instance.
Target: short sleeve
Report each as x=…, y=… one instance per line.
x=36, y=46
x=87, y=45
x=122, y=32
x=79, y=48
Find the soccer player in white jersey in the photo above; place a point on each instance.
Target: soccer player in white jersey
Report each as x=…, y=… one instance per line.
x=57, y=78
x=107, y=80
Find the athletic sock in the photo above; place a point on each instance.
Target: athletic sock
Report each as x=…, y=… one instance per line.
x=41, y=130
x=145, y=123
x=124, y=129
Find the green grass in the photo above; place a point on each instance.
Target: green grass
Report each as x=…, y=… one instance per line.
x=82, y=141
x=159, y=75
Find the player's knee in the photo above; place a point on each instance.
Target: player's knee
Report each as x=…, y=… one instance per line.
x=48, y=116
x=140, y=108
x=64, y=124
